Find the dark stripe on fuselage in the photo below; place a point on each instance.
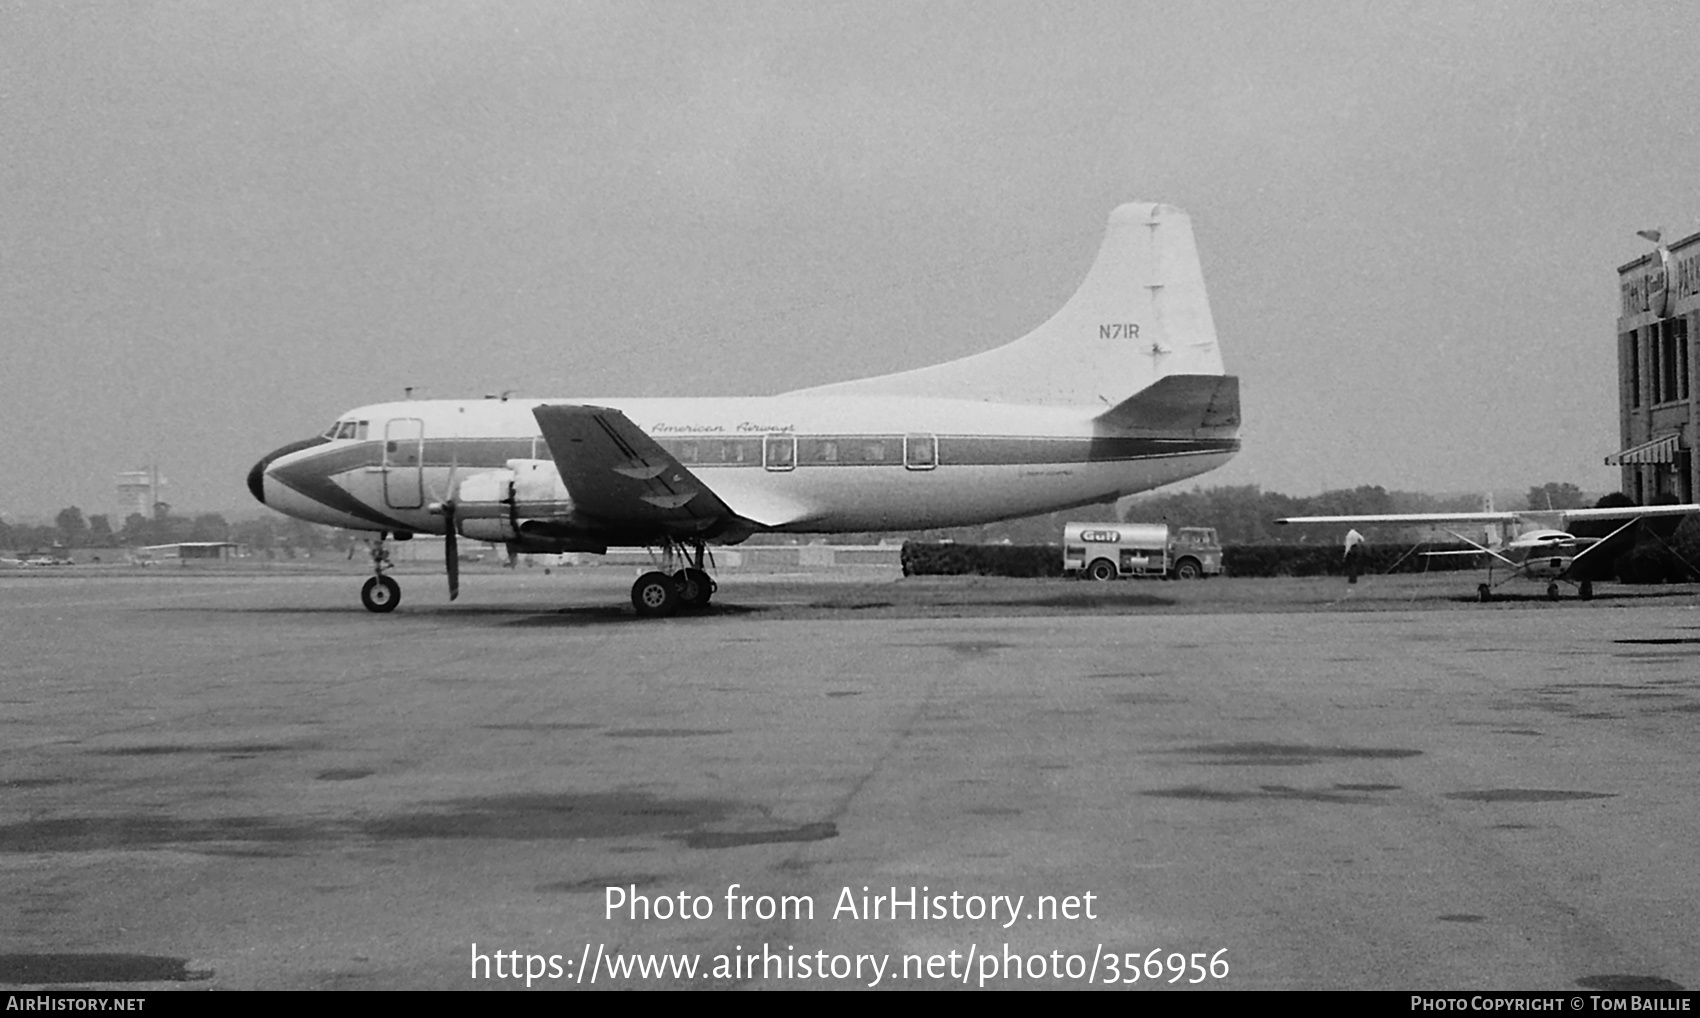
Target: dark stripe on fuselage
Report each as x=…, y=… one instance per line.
x=954, y=450
x=312, y=477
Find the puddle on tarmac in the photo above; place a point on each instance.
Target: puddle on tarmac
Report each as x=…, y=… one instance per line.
x=1274, y=754
x=1527, y=795
x=38, y=969
x=1265, y=793
x=1627, y=981
x=664, y=733
x=544, y=817
x=736, y=839
x=173, y=748
x=342, y=774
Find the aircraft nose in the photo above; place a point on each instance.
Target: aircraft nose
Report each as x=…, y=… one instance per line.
x=257, y=481
x=257, y=476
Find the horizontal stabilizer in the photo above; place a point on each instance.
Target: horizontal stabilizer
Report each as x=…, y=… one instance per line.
x=1179, y=403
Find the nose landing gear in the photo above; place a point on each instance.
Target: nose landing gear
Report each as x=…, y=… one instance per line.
x=380, y=593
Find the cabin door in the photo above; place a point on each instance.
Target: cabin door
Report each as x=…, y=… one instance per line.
x=404, y=462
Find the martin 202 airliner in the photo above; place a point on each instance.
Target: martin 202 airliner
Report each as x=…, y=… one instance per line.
x=1121, y=391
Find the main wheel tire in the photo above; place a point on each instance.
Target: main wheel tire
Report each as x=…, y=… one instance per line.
x=1189, y=569
x=655, y=594
x=380, y=594
x=1586, y=590
x=1552, y=592
x=695, y=587
x=1484, y=593
x=1101, y=570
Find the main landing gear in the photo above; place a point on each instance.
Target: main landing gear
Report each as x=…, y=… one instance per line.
x=658, y=594
x=381, y=593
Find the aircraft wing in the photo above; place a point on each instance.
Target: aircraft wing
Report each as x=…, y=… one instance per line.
x=617, y=473
x=1630, y=512
x=1406, y=519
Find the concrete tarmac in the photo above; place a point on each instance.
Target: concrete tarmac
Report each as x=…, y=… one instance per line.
x=228, y=780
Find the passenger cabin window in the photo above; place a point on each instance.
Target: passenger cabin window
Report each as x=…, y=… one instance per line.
x=715, y=452
x=920, y=452
x=781, y=452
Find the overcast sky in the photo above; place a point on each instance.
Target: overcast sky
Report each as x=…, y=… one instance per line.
x=223, y=223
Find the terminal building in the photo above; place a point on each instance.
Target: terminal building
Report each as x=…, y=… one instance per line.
x=1658, y=326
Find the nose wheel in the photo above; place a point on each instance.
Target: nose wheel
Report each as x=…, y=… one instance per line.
x=380, y=594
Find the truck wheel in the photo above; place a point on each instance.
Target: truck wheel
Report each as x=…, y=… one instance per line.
x=1188, y=569
x=1101, y=569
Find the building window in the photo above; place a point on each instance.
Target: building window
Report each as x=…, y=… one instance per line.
x=1679, y=338
x=1632, y=352
x=1655, y=376
x=1668, y=360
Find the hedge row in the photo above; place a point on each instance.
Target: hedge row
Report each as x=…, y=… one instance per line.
x=929, y=559
x=1643, y=564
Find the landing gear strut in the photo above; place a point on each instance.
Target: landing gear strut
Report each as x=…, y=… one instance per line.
x=381, y=593
x=658, y=594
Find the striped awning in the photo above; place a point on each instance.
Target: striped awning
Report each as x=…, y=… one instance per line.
x=1659, y=450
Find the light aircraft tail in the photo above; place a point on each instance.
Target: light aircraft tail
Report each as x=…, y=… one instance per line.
x=1140, y=316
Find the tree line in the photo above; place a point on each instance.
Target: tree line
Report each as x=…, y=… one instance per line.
x=1246, y=514
x=1241, y=514
x=267, y=534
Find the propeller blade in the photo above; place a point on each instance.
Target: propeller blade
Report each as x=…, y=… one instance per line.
x=451, y=552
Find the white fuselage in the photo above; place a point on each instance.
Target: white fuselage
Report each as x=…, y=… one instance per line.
x=798, y=463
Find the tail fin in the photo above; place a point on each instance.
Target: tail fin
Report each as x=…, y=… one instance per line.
x=1140, y=315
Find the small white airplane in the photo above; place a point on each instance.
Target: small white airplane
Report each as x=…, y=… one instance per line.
x=1541, y=547
x=1121, y=391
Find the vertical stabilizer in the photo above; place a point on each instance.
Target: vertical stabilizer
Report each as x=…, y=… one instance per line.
x=1140, y=315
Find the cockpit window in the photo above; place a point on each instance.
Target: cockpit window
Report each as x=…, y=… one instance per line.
x=346, y=429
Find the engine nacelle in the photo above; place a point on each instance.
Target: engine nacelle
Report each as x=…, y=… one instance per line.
x=524, y=502
x=523, y=488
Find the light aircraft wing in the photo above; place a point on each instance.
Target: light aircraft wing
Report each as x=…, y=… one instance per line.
x=1630, y=512
x=1405, y=519
x=617, y=473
